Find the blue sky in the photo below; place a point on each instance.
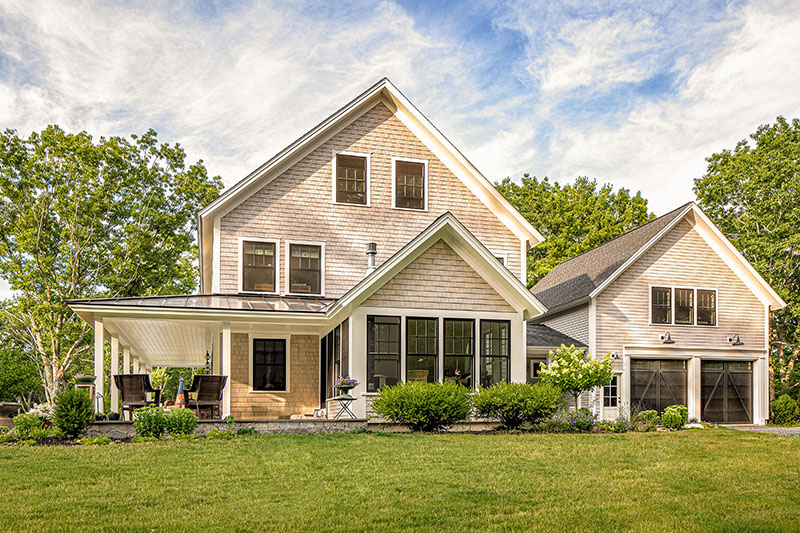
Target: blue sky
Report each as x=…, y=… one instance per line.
x=632, y=93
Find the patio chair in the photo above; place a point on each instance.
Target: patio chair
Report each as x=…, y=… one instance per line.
x=133, y=389
x=208, y=393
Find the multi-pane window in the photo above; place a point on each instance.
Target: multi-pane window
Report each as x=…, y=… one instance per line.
x=706, y=307
x=422, y=348
x=351, y=179
x=409, y=192
x=495, y=351
x=305, y=269
x=535, y=366
x=684, y=306
x=661, y=301
x=459, y=351
x=610, y=393
x=383, y=352
x=269, y=364
x=258, y=266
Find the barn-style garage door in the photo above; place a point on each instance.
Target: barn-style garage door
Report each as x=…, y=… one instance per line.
x=657, y=383
x=727, y=392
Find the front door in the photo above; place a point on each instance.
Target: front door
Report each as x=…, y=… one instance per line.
x=727, y=392
x=657, y=383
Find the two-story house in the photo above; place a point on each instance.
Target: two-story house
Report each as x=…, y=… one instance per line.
x=372, y=248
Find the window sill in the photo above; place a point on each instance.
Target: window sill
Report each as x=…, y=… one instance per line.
x=369, y=394
x=351, y=205
x=684, y=325
x=267, y=293
x=410, y=209
x=318, y=295
x=251, y=391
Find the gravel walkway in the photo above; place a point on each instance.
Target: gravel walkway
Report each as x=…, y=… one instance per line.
x=785, y=431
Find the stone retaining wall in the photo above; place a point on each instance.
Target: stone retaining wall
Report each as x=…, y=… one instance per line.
x=121, y=430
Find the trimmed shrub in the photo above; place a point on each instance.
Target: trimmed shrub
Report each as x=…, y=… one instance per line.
x=26, y=423
x=181, y=422
x=646, y=420
x=515, y=403
x=424, y=406
x=150, y=421
x=74, y=413
x=674, y=416
x=784, y=410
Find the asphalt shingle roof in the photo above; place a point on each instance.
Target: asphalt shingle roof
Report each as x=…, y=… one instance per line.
x=576, y=278
x=541, y=335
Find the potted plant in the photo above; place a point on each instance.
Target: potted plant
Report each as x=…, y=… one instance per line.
x=113, y=416
x=85, y=378
x=345, y=384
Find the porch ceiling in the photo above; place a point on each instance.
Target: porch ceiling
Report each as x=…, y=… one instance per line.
x=164, y=342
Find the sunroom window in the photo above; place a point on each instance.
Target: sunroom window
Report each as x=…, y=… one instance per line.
x=258, y=266
x=305, y=269
x=383, y=352
x=422, y=349
x=495, y=351
x=459, y=351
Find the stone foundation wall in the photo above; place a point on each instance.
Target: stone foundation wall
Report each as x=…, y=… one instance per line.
x=121, y=430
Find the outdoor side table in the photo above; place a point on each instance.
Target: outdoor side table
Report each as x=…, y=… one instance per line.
x=344, y=401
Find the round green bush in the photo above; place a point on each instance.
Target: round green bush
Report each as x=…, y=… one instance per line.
x=784, y=410
x=424, y=406
x=516, y=403
x=674, y=416
x=25, y=424
x=181, y=422
x=74, y=413
x=150, y=421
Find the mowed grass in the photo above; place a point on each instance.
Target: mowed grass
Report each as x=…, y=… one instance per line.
x=689, y=480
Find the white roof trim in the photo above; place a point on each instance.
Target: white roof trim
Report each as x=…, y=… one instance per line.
x=727, y=252
x=407, y=113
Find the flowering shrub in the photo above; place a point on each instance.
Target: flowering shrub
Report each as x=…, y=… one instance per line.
x=573, y=371
x=621, y=425
x=346, y=381
x=45, y=411
x=581, y=420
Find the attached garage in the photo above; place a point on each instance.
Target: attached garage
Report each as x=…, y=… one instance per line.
x=658, y=383
x=727, y=392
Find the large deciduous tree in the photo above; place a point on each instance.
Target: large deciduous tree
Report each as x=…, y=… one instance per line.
x=573, y=218
x=753, y=194
x=81, y=219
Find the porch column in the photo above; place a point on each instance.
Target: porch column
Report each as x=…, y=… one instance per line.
x=226, y=368
x=114, y=370
x=216, y=353
x=135, y=364
x=99, y=366
x=126, y=360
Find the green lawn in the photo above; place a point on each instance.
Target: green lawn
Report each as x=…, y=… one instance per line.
x=697, y=480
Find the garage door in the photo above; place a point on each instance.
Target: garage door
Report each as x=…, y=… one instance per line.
x=727, y=392
x=657, y=383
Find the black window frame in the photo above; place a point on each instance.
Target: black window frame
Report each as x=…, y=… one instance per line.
x=611, y=393
x=404, y=201
x=347, y=180
x=653, y=305
x=284, y=364
x=448, y=354
x=676, y=303
x=373, y=355
x=427, y=338
x=254, y=255
x=698, y=309
x=494, y=343
x=292, y=269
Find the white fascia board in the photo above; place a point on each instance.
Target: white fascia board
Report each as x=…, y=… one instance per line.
x=88, y=312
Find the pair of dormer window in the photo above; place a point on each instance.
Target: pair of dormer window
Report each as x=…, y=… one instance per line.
x=260, y=267
x=351, y=181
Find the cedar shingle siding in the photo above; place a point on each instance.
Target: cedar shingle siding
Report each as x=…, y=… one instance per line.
x=297, y=205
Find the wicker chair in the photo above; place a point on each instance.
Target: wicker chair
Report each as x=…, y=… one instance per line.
x=133, y=389
x=208, y=393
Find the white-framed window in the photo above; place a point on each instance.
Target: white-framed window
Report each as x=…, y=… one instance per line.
x=259, y=265
x=409, y=183
x=305, y=268
x=269, y=362
x=502, y=257
x=683, y=306
x=611, y=392
x=351, y=178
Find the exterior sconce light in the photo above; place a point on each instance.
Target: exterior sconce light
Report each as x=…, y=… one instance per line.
x=614, y=356
x=734, y=340
x=208, y=362
x=666, y=339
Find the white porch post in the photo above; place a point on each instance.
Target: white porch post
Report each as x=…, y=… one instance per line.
x=216, y=353
x=226, y=368
x=135, y=364
x=99, y=367
x=126, y=360
x=114, y=370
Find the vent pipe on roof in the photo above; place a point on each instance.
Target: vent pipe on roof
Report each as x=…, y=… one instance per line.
x=372, y=251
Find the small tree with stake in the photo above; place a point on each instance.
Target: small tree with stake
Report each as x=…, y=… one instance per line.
x=574, y=371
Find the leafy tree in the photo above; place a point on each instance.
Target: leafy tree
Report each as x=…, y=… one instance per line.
x=752, y=193
x=81, y=219
x=19, y=378
x=575, y=372
x=573, y=218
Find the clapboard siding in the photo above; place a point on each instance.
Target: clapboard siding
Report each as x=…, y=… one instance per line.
x=573, y=323
x=439, y=279
x=297, y=205
x=681, y=257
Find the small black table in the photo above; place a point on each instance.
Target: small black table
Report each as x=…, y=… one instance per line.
x=344, y=401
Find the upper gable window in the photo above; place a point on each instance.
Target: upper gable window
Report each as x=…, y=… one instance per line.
x=305, y=269
x=351, y=178
x=259, y=266
x=683, y=306
x=410, y=184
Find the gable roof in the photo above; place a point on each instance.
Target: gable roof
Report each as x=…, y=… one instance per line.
x=383, y=91
x=576, y=280
x=541, y=336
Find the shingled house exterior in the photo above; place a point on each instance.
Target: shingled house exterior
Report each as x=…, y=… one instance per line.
x=372, y=248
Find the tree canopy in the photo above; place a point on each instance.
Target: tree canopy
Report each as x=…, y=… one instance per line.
x=82, y=219
x=573, y=218
x=752, y=193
